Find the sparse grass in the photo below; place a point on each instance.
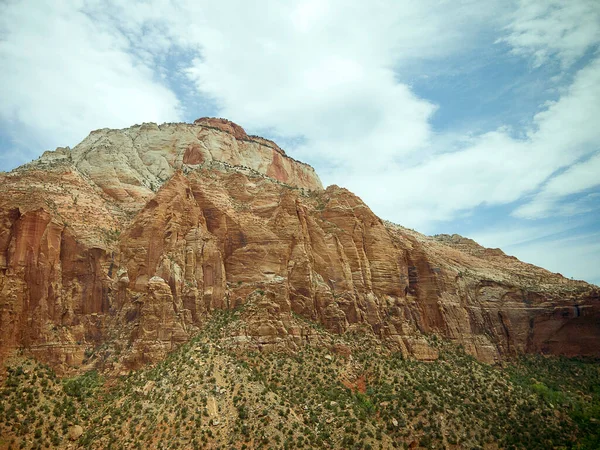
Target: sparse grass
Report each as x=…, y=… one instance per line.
x=206, y=394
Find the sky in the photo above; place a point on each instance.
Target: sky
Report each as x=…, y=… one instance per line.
x=480, y=118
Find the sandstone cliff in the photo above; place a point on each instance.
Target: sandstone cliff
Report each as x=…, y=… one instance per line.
x=132, y=238
x=131, y=164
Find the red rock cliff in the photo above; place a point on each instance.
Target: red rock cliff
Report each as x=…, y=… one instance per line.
x=87, y=257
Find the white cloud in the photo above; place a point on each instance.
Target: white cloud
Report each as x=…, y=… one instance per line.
x=564, y=29
x=578, y=178
x=493, y=168
x=321, y=70
x=66, y=74
x=325, y=70
x=509, y=235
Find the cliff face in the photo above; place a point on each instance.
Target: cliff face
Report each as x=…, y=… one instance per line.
x=131, y=164
x=91, y=256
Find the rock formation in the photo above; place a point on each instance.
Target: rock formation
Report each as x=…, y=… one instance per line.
x=134, y=236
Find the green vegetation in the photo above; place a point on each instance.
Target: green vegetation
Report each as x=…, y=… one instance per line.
x=82, y=387
x=568, y=385
x=109, y=235
x=209, y=393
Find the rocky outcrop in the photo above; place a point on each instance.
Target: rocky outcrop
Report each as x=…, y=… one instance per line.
x=131, y=164
x=56, y=263
x=91, y=257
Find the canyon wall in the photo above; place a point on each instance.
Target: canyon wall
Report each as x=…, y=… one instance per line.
x=132, y=238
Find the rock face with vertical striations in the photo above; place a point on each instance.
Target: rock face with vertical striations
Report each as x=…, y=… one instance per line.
x=131, y=164
x=135, y=236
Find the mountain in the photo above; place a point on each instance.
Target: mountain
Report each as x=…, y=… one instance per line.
x=195, y=287
x=134, y=237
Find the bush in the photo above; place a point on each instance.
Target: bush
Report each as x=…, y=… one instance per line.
x=83, y=386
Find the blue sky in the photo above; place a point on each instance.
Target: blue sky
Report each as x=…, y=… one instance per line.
x=470, y=117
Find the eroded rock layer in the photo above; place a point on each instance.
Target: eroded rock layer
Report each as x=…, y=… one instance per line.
x=133, y=237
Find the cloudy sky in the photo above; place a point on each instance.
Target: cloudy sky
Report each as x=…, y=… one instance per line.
x=474, y=117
